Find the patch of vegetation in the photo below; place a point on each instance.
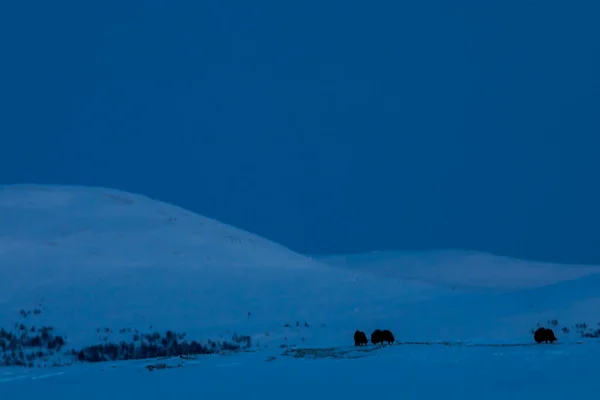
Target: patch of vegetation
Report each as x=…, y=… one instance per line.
x=581, y=328
x=587, y=332
x=298, y=324
x=331, y=352
x=31, y=346
x=27, y=313
x=155, y=345
x=25, y=346
x=591, y=334
x=243, y=340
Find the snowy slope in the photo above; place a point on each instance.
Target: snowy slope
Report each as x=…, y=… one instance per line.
x=94, y=260
x=467, y=270
x=507, y=317
x=497, y=299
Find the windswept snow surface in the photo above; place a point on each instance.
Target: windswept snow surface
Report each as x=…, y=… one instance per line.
x=399, y=372
x=497, y=299
x=467, y=270
x=92, y=258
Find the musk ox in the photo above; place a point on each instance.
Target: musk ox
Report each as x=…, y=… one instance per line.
x=544, y=335
x=360, y=338
x=379, y=336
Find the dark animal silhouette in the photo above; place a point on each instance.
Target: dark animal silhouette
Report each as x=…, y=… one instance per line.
x=544, y=335
x=360, y=338
x=388, y=336
x=379, y=336
x=376, y=337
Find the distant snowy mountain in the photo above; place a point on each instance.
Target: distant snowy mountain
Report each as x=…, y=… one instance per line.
x=459, y=269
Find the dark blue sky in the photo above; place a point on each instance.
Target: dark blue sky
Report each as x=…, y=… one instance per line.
x=328, y=126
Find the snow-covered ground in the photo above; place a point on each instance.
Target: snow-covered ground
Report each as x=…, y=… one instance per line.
x=406, y=372
x=467, y=270
x=97, y=265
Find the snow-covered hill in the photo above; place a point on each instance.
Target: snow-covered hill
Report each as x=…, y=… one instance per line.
x=467, y=270
x=93, y=262
x=497, y=299
x=101, y=266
